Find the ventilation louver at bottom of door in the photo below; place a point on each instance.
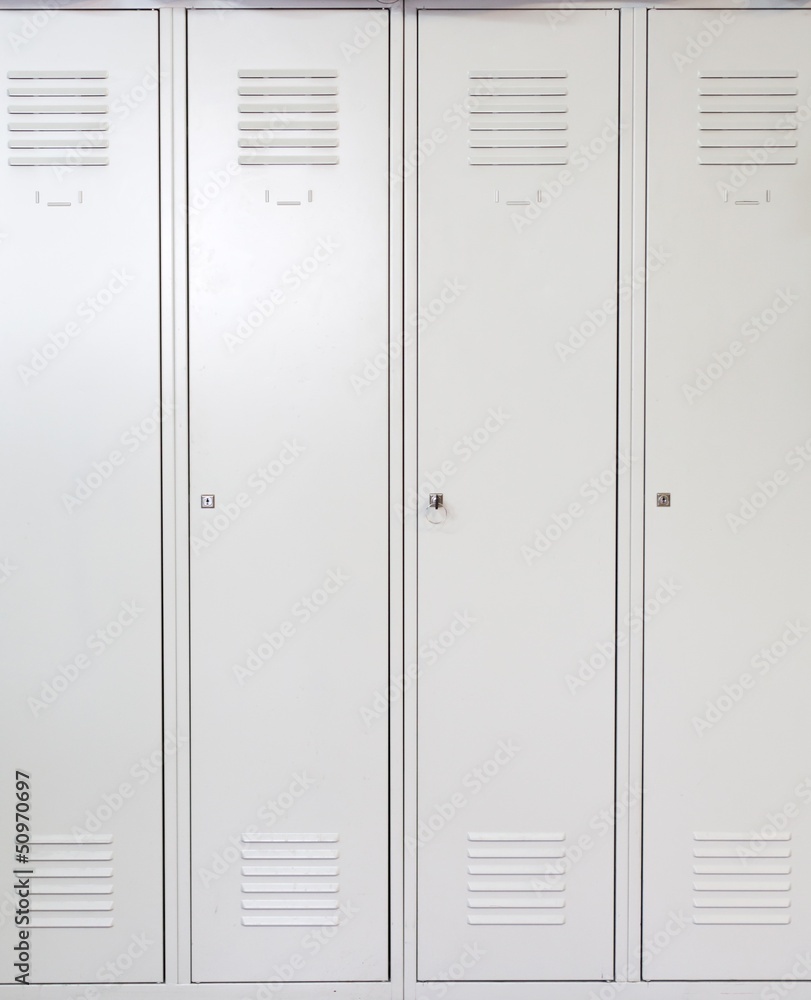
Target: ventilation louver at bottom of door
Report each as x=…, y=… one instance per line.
x=71, y=880
x=293, y=879
x=516, y=878
x=741, y=878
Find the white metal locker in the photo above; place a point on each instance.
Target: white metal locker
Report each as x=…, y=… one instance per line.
x=517, y=431
x=81, y=504
x=288, y=236
x=727, y=823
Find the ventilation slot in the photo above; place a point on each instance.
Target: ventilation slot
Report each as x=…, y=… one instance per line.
x=741, y=878
x=517, y=117
x=748, y=117
x=516, y=878
x=288, y=116
x=57, y=118
x=290, y=869
x=68, y=876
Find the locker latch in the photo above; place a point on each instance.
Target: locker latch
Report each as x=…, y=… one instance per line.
x=436, y=511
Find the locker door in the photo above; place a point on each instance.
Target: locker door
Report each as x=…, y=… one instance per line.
x=517, y=263
x=288, y=152
x=80, y=709
x=727, y=839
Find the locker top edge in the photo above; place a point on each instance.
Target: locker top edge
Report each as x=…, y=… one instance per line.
x=235, y=5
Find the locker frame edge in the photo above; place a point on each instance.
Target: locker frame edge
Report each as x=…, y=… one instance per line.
x=402, y=373
x=411, y=986
x=177, y=946
x=633, y=163
x=627, y=886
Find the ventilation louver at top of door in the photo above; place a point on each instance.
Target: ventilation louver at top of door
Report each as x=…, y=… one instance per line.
x=57, y=118
x=517, y=116
x=290, y=116
x=747, y=117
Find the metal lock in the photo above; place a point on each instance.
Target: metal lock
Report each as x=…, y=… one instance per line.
x=436, y=512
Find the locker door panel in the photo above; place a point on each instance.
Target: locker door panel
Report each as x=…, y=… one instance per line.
x=517, y=431
x=727, y=827
x=288, y=184
x=80, y=709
